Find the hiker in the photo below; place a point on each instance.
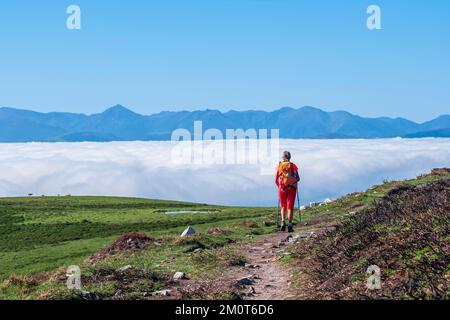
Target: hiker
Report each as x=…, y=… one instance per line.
x=287, y=179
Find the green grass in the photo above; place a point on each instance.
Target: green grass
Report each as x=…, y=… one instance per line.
x=44, y=233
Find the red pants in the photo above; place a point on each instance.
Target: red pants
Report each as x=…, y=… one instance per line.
x=287, y=197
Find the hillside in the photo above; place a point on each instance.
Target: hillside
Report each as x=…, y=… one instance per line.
x=121, y=124
x=403, y=227
x=405, y=233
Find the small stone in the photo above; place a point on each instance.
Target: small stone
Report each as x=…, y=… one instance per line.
x=179, y=276
x=189, y=231
x=164, y=293
x=118, y=293
x=124, y=268
x=246, y=281
x=88, y=296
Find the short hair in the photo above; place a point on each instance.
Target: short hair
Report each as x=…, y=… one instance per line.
x=287, y=155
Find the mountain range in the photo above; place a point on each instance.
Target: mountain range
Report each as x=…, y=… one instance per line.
x=121, y=124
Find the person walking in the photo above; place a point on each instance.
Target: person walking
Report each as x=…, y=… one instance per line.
x=287, y=179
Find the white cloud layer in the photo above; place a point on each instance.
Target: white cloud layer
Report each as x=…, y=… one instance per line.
x=329, y=168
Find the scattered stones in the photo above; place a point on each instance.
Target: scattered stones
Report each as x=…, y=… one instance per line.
x=252, y=266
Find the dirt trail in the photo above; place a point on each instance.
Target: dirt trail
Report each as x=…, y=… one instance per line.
x=264, y=277
x=268, y=279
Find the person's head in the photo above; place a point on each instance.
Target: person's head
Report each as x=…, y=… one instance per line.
x=286, y=156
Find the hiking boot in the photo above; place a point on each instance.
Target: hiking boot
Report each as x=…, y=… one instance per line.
x=283, y=228
x=290, y=228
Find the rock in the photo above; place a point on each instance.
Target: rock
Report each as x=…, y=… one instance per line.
x=189, y=231
x=118, y=293
x=252, y=266
x=124, y=268
x=251, y=292
x=305, y=235
x=198, y=250
x=327, y=200
x=86, y=295
x=179, y=276
x=163, y=293
x=247, y=281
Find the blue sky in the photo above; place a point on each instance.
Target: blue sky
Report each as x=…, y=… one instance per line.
x=235, y=54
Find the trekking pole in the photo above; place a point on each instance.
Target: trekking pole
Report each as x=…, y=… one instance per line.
x=277, y=217
x=299, y=210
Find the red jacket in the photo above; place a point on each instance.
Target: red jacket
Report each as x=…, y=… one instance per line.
x=278, y=180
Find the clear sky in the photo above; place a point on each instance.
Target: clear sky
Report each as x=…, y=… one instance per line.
x=227, y=54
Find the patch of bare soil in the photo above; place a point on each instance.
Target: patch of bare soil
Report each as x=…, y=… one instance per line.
x=129, y=241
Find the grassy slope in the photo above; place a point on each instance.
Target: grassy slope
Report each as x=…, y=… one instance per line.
x=405, y=232
x=43, y=234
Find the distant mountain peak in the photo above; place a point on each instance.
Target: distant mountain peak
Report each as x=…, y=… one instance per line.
x=118, y=109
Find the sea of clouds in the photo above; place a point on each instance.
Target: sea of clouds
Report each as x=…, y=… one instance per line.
x=329, y=169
